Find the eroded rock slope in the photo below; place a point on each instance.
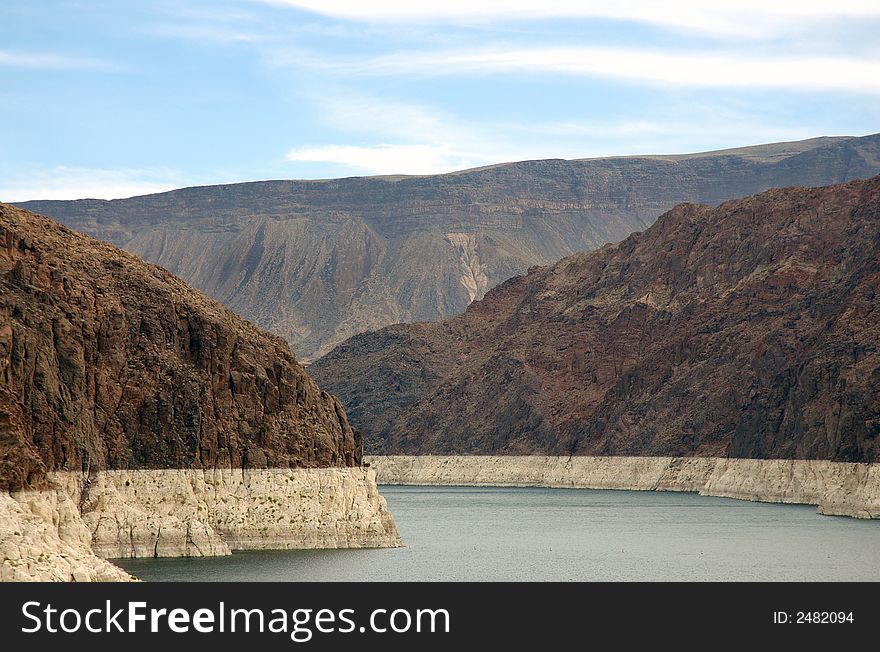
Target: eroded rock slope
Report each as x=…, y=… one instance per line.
x=750, y=330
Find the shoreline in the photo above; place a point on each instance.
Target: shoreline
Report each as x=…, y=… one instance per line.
x=67, y=532
x=836, y=488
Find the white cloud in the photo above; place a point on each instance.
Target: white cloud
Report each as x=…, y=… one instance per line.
x=63, y=182
x=221, y=34
x=427, y=158
x=212, y=12
x=700, y=69
x=407, y=138
x=413, y=139
x=50, y=61
x=210, y=25
x=379, y=117
x=725, y=17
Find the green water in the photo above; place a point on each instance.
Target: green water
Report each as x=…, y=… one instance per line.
x=465, y=533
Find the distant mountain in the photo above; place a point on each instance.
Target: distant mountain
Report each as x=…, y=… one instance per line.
x=319, y=261
x=747, y=330
x=108, y=362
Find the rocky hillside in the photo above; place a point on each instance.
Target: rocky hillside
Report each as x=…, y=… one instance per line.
x=747, y=330
x=107, y=362
x=319, y=261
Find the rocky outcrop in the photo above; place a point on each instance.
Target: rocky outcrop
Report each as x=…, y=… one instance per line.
x=66, y=532
x=140, y=418
x=107, y=362
x=750, y=330
x=319, y=261
x=194, y=513
x=43, y=538
x=473, y=272
x=837, y=488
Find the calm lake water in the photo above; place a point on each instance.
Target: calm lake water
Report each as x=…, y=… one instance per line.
x=466, y=533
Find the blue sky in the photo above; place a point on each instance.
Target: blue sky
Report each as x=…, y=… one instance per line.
x=112, y=99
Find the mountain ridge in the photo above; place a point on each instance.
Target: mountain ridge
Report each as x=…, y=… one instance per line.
x=746, y=330
x=319, y=261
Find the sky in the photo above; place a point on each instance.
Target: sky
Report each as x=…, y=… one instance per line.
x=111, y=99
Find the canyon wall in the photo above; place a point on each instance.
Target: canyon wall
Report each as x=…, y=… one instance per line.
x=749, y=330
x=108, y=362
x=317, y=262
x=837, y=488
x=138, y=417
x=67, y=531
x=193, y=513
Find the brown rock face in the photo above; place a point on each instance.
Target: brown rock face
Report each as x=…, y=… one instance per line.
x=748, y=330
x=107, y=362
x=317, y=262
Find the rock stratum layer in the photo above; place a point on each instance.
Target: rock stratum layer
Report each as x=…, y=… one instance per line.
x=319, y=261
x=837, y=488
x=750, y=330
x=63, y=533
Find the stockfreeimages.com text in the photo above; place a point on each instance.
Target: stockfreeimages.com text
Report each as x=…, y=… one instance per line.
x=300, y=624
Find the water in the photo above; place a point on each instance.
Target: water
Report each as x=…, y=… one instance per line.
x=465, y=533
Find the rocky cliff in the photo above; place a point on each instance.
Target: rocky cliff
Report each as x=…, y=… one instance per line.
x=62, y=532
x=319, y=261
x=43, y=539
x=750, y=330
x=139, y=417
x=203, y=513
x=107, y=362
x=836, y=488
